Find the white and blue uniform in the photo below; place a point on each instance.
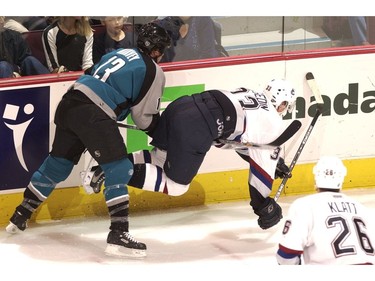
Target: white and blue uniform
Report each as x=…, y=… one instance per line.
x=327, y=228
x=191, y=124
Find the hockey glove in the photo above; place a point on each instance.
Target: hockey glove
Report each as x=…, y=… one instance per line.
x=282, y=170
x=269, y=214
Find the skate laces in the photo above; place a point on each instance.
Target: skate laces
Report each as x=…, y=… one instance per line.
x=129, y=237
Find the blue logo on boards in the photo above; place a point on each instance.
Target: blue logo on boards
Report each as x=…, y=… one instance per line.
x=24, y=134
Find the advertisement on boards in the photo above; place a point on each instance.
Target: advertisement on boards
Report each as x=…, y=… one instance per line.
x=24, y=128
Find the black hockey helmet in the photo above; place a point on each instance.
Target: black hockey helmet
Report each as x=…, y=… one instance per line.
x=151, y=37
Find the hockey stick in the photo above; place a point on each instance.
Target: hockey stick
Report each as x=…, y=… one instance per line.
x=128, y=126
x=319, y=100
x=285, y=136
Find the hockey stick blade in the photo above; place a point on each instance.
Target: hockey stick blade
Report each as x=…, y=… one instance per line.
x=315, y=90
x=287, y=134
x=284, y=137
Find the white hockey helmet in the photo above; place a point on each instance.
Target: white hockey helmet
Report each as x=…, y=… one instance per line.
x=280, y=91
x=329, y=173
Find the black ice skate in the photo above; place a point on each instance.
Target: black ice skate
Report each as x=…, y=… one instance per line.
x=18, y=222
x=122, y=244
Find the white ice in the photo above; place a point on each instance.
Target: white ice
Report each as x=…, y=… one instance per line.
x=218, y=241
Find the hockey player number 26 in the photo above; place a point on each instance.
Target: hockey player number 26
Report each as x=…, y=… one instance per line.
x=343, y=224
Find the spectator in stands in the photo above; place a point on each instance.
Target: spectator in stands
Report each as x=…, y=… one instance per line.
x=358, y=28
x=68, y=44
x=37, y=23
x=194, y=38
x=26, y=24
x=15, y=55
x=15, y=23
x=113, y=37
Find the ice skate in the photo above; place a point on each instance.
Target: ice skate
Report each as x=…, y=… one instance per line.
x=122, y=244
x=17, y=223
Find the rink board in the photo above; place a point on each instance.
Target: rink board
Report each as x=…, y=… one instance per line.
x=345, y=129
x=209, y=188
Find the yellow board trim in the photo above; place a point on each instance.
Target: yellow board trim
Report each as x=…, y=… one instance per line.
x=205, y=189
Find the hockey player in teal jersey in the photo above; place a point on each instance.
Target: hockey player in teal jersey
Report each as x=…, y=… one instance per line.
x=125, y=81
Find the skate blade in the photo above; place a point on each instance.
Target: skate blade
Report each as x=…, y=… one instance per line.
x=12, y=228
x=121, y=251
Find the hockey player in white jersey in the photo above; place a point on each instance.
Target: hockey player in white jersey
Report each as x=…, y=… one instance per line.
x=190, y=125
x=328, y=227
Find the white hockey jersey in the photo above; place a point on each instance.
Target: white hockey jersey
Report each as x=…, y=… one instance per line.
x=327, y=228
x=257, y=122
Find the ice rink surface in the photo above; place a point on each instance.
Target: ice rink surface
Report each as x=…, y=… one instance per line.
x=218, y=241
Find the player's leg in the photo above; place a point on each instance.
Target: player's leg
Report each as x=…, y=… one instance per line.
x=184, y=133
x=111, y=154
x=66, y=150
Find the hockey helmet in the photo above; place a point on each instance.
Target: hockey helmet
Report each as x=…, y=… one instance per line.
x=329, y=173
x=280, y=91
x=151, y=37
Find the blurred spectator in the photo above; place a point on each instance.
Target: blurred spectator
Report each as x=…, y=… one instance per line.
x=37, y=23
x=139, y=21
x=113, y=37
x=358, y=28
x=25, y=24
x=193, y=37
x=95, y=20
x=15, y=23
x=15, y=55
x=68, y=44
x=338, y=30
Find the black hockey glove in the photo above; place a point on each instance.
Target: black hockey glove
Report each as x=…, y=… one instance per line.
x=282, y=170
x=269, y=214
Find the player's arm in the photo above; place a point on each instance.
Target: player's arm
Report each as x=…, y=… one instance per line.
x=146, y=112
x=269, y=212
x=295, y=234
x=262, y=168
x=286, y=256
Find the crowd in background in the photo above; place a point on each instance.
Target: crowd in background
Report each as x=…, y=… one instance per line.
x=43, y=45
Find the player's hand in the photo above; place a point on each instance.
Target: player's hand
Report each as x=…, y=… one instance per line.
x=282, y=170
x=269, y=213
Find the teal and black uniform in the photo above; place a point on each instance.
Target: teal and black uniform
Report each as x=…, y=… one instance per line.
x=124, y=82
